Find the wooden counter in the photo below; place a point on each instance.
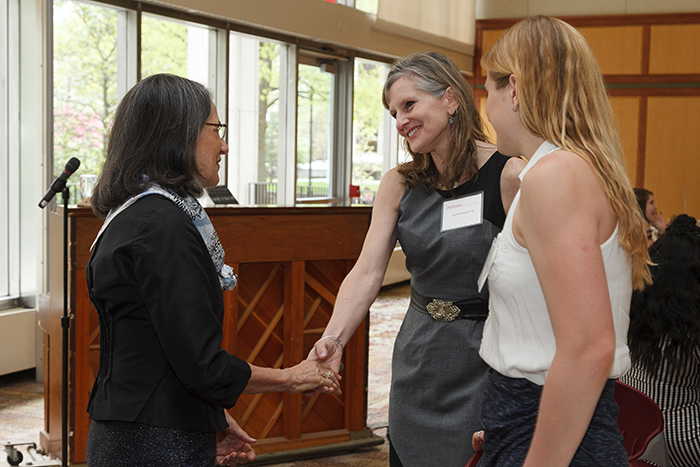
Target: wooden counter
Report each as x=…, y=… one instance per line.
x=290, y=263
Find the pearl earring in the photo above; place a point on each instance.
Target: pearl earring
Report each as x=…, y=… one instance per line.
x=451, y=120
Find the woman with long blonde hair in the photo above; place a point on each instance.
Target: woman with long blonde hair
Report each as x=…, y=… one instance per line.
x=571, y=251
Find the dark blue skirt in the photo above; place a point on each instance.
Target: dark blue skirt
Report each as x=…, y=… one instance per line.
x=134, y=444
x=508, y=415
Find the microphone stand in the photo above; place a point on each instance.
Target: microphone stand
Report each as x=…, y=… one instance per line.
x=15, y=457
x=65, y=325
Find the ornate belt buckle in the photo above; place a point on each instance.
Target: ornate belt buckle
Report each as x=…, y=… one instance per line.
x=442, y=311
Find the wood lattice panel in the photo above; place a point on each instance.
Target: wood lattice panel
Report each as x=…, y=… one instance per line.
x=261, y=313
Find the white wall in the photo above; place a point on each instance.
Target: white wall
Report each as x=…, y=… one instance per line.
x=491, y=9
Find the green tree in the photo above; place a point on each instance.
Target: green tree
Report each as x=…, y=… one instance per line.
x=85, y=79
x=368, y=111
x=268, y=110
x=368, y=118
x=313, y=116
x=85, y=76
x=163, y=47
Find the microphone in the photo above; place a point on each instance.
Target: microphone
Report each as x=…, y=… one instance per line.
x=60, y=183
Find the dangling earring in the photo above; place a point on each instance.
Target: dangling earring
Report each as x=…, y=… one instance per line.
x=451, y=120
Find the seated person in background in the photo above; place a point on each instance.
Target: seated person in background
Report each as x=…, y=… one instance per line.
x=664, y=338
x=655, y=223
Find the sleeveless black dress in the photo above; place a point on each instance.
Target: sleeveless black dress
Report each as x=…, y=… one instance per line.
x=437, y=374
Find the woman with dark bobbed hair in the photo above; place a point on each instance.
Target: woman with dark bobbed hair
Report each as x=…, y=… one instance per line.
x=444, y=206
x=155, y=277
x=664, y=338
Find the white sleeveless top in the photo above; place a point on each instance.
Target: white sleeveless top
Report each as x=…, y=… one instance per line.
x=518, y=339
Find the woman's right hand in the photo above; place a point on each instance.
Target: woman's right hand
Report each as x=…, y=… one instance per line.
x=657, y=220
x=328, y=351
x=310, y=375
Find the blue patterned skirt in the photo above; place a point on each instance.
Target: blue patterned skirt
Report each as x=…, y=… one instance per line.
x=508, y=415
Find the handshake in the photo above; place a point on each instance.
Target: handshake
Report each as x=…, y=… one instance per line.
x=318, y=373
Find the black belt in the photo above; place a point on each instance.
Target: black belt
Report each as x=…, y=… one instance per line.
x=441, y=310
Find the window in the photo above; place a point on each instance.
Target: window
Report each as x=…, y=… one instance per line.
x=22, y=145
x=375, y=139
x=261, y=120
x=288, y=109
x=95, y=64
x=314, y=130
x=6, y=221
x=368, y=6
x=184, y=49
x=85, y=85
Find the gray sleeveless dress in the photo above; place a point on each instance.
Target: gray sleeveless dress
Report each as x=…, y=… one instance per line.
x=437, y=374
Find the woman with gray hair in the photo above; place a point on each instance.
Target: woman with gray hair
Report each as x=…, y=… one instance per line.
x=155, y=277
x=445, y=207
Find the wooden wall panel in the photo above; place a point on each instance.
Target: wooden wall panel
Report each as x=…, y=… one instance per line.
x=651, y=67
x=627, y=119
x=672, y=162
x=675, y=49
x=618, y=49
x=488, y=39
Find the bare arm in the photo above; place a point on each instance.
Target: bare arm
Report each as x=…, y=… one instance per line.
x=303, y=377
x=562, y=218
x=362, y=284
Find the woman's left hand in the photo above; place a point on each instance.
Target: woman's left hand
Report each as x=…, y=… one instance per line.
x=233, y=445
x=478, y=440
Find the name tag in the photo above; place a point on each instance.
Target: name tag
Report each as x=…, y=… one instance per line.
x=463, y=212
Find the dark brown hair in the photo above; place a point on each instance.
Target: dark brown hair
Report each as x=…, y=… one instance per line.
x=153, y=140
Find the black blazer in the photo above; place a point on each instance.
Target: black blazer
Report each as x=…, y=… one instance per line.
x=160, y=307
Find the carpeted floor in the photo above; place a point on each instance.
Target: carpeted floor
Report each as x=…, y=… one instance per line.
x=22, y=399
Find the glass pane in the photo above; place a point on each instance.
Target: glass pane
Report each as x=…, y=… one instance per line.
x=254, y=109
x=374, y=131
x=5, y=193
x=85, y=85
x=170, y=46
x=368, y=6
x=314, y=132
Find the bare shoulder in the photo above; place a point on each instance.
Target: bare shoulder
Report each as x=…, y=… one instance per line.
x=560, y=169
x=562, y=184
x=391, y=188
x=513, y=167
x=484, y=151
x=393, y=180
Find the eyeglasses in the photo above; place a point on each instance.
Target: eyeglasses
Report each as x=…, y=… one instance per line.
x=221, y=128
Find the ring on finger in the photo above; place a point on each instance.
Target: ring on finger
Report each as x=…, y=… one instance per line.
x=327, y=375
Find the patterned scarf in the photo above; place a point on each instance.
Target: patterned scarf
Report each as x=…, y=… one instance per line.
x=199, y=218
